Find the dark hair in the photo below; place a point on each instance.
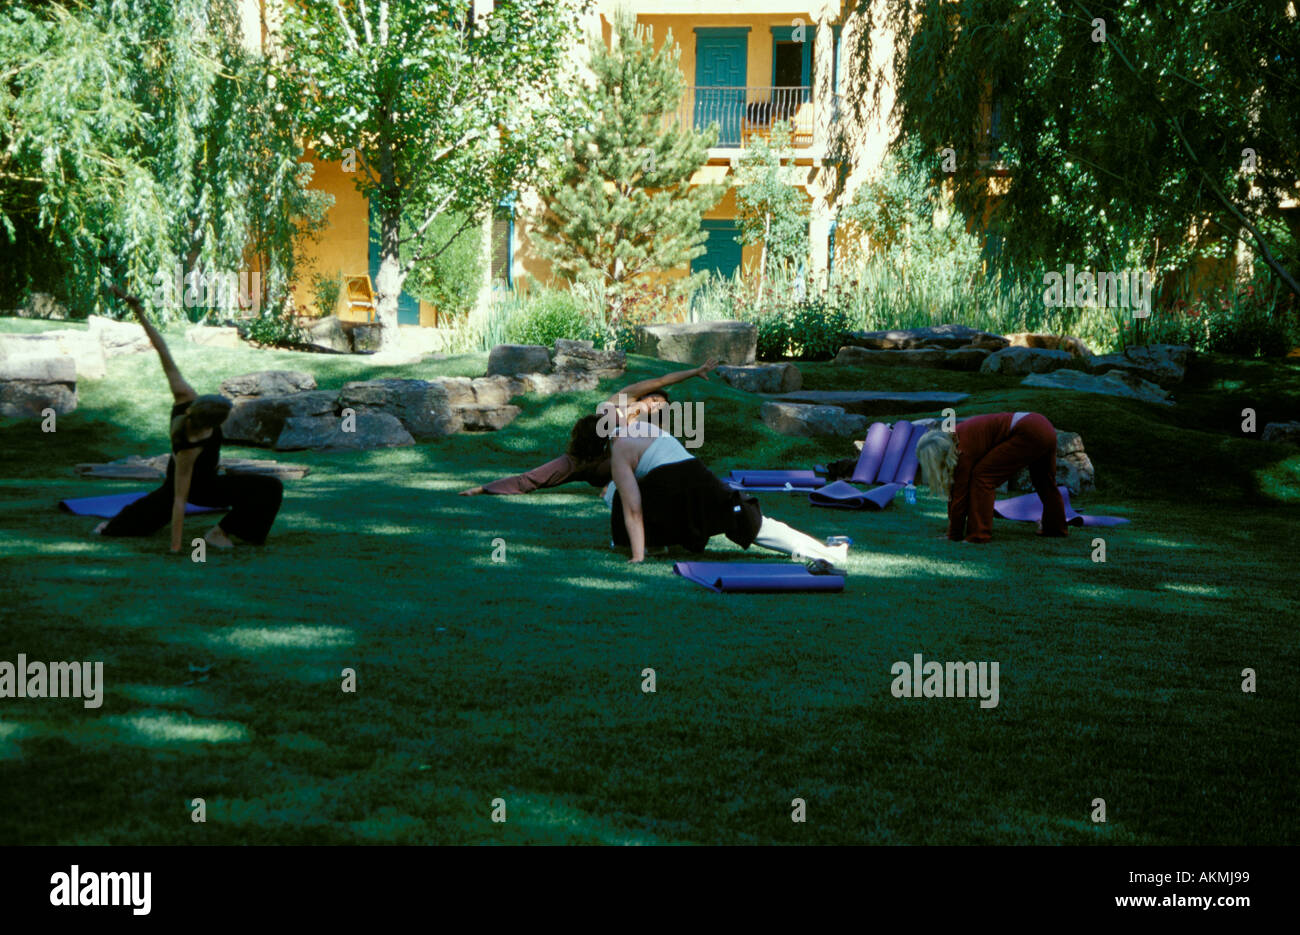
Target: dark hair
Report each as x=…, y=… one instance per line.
x=586, y=444
x=663, y=393
x=207, y=412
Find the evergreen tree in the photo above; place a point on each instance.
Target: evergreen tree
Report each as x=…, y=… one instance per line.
x=621, y=205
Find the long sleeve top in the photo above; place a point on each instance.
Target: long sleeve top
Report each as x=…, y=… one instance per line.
x=562, y=470
x=975, y=438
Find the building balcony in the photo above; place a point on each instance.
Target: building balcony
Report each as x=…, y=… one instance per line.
x=745, y=114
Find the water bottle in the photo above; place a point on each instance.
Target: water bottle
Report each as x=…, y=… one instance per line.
x=909, y=494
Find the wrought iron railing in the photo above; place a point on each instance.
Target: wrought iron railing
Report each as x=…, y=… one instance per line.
x=743, y=114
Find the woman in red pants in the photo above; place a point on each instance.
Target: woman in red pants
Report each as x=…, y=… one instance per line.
x=970, y=464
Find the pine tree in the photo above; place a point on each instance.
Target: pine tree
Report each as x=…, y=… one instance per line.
x=621, y=206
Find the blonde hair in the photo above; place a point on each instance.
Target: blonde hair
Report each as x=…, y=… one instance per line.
x=937, y=454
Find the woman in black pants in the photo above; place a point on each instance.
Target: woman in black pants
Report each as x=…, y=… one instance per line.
x=192, y=469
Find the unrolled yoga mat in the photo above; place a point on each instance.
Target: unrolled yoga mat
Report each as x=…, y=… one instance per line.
x=763, y=578
x=1029, y=509
x=112, y=504
x=843, y=495
x=776, y=479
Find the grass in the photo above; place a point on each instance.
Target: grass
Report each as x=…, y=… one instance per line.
x=521, y=680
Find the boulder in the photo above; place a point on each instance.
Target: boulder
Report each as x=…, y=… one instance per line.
x=118, y=338
x=208, y=336
x=1052, y=342
x=762, y=378
x=938, y=336
x=486, y=418
x=961, y=358
x=875, y=403
x=267, y=383
x=372, y=430
x=511, y=359
x=455, y=392
x=260, y=420
x=1165, y=364
x=1073, y=467
x=812, y=421
x=581, y=356
x=82, y=347
x=493, y=391
x=1018, y=361
x=424, y=408
x=364, y=337
x=328, y=333
x=569, y=381
x=1112, y=383
x=730, y=342
x=1287, y=433
x=30, y=385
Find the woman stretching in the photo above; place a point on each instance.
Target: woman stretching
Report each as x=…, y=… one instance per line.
x=968, y=465
x=666, y=497
x=192, y=469
x=635, y=401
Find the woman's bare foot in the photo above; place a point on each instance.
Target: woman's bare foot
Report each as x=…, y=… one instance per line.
x=217, y=537
x=99, y=530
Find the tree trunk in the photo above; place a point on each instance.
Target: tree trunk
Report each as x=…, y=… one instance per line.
x=388, y=283
x=762, y=257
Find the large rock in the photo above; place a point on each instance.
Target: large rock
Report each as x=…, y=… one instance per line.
x=1283, y=432
x=29, y=386
x=961, y=358
x=812, y=421
x=582, y=357
x=762, y=378
x=260, y=420
x=1165, y=364
x=1113, y=383
x=327, y=333
x=363, y=336
x=570, y=381
x=730, y=342
x=1073, y=466
x=949, y=336
x=511, y=359
x=425, y=409
x=118, y=338
x=371, y=430
x=209, y=336
x=1073, y=346
x=875, y=403
x=486, y=418
x=267, y=383
x=1018, y=361
x=82, y=347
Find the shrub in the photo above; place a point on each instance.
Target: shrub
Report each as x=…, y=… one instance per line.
x=325, y=291
x=275, y=327
x=773, y=336
x=548, y=314
x=817, y=327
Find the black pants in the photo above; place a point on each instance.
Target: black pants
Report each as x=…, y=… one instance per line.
x=254, y=501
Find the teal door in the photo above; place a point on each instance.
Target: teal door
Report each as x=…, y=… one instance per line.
x=408, y=306
x=720, y=66
x=721, y=255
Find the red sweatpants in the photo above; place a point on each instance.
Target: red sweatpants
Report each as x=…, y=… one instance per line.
x=1032, y=444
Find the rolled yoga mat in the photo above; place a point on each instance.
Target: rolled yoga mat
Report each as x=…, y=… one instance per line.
x=907, y=467
x=899, y=438
x=776, y=479
x=112, y=504
x=843, y=495
x=1029, y=509
x=873, y=453
x=769, y=578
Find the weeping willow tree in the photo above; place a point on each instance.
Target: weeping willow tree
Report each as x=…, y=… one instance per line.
x=1144, y=132
x=138, y=136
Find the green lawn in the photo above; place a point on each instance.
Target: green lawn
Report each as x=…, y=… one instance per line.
x=522, y=680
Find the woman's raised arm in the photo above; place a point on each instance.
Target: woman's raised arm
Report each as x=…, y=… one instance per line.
x=182, y=392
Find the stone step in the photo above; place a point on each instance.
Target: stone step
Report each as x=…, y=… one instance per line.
x=871, y=403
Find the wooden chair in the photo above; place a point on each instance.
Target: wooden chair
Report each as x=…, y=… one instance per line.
x=356, y=300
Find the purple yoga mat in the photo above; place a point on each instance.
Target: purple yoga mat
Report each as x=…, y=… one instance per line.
x=767, y=578
x=776, y=479
x=110, y=505
x=843, y=495
x=873, y=453
x=907, y=467
x=1029, y=509
x=899, y=438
